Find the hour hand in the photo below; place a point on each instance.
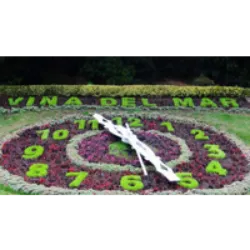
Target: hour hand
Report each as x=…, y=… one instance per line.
x=167, y=172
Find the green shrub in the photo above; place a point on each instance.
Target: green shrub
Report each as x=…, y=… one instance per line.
x=110, y=70
x=126, y=90
x=203, y=81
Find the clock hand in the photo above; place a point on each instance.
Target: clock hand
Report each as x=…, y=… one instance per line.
x=141, y=148
x=149, y=155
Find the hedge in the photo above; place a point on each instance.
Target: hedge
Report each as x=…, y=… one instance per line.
x=135, y=90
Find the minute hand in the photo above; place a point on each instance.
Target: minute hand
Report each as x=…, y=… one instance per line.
x=149, y=155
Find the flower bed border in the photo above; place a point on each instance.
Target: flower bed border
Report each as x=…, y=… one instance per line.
x=17, y=183
x=134, y=109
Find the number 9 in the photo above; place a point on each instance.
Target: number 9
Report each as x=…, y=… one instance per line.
x=33, y=152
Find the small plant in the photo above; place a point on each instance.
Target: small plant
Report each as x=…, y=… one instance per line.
x=202, y=80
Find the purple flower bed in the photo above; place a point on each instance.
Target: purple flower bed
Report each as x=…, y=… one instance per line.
x=96, y=149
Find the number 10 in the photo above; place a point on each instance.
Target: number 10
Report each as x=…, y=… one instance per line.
x=61, y=134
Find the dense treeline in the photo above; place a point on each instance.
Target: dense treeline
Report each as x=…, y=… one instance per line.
x=229, y=71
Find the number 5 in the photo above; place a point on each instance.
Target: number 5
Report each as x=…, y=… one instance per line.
x=187, y=181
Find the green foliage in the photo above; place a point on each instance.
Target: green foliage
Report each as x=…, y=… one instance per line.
x=37, y=170
x=109, y=70
x=73, y=101
x=132, y=183
x=30, y=101
x=187, y=181
x=33, y=152
x=199, y=134
x=214, y=151
x=203, y=81
x=94, y=124
x=126, y=70
x=43, y=133
x=168, y=125
x=61, y=134
x=15, y=102
x=214, y=167
x=49, y=101
x=187, y=102
x=119, y=149
x=147, y=104
x=80, y=177
x=135, y=122
x=121, y=91
x=229, y=102
x=206, y=102
x=128, y=102
x=108, y=101
x=81, y=123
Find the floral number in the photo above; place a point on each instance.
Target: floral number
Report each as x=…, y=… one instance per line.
x=37, y=170
x=135, y=122
x=81, y=123
x=215, y=151
x=132, y=182
x=214, y=167
x=187, y=181
x=80, y=177
x=117, y=120
x=199, y=134
x=168, y=125
x=94, y=124
x=33, y=152
x=61, y=134
x=43, y=133
x=57, y=135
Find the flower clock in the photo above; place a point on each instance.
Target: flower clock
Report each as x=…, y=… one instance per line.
x=77, y=155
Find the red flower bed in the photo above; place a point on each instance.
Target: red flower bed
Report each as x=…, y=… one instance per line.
x=95, y=149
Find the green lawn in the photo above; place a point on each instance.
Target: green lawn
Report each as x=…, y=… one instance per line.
x=237, y=124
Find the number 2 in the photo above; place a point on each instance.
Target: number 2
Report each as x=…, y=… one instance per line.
x=199, y=134
x=135, y=122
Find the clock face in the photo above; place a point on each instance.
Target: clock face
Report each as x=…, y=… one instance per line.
x=77, y=155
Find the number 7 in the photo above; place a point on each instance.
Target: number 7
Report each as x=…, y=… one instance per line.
x=80, y=177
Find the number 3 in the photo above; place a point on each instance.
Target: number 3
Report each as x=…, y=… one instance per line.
x=215, y=151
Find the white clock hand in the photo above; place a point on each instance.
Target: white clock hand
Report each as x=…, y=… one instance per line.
x=141, y=148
